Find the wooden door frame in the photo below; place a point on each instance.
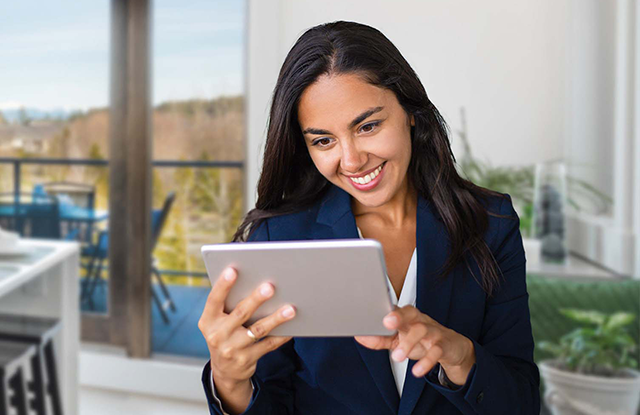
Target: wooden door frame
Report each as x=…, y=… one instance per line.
x=128, y=322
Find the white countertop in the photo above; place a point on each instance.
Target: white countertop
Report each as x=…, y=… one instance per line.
x=44, y=283
x=18, y=270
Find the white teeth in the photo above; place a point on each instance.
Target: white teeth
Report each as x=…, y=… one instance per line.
x=368, y=177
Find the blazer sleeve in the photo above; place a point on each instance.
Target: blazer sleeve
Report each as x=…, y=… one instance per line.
x=504, y=379
x=272, y=382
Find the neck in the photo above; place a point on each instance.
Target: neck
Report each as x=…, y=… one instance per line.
x=397, y=211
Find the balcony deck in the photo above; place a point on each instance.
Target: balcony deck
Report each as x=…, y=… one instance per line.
x=181, y=336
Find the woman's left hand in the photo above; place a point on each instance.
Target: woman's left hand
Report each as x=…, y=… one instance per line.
x=419, y=337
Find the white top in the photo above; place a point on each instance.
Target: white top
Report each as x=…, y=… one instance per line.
x=407, y=297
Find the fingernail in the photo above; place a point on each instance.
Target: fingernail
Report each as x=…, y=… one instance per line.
x=266, y=290
x=418, y=369
x=392, y=320
x=288, y=312
x=398, y=355
x=229, y=274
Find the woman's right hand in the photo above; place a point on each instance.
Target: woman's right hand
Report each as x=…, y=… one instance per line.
x=234, y=354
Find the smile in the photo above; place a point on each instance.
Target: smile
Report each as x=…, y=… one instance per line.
x=368, y=181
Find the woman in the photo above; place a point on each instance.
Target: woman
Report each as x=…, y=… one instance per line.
x=355, y=147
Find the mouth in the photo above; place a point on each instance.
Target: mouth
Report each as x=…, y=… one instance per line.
x=370, y=180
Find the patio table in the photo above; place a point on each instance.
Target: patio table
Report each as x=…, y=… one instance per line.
x=69, y=215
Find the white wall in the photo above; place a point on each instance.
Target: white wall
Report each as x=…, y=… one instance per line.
x=539, y=80
x=590, y=85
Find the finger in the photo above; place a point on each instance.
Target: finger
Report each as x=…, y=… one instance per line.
x=266, y=345
x=245, y=308
x=219, y=291
x=264, y=326
x=237, y=344
x=424, y=365
x=400, y=318
x=377, y=342
x=408, y=343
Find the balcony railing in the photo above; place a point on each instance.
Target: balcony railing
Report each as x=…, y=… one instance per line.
x=18, y=164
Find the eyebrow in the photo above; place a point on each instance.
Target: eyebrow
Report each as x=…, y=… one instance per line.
x=368, y=113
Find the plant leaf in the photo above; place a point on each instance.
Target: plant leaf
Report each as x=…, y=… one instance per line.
x=549, y=347
x=619, y=320
x=584, y=316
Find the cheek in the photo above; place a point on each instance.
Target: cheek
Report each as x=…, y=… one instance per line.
x=395, y=147
x=325, y=164
x=403, y=147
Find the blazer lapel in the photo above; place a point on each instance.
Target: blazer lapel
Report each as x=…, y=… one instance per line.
x=433, y=295
x=432, y=298
x=335, y=212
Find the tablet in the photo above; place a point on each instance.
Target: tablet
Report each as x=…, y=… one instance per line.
x=339, y=287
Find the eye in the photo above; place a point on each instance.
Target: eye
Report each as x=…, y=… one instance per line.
x=322, y=141
x=369, y=127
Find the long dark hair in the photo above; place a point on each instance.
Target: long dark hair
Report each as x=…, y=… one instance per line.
x=290, y=181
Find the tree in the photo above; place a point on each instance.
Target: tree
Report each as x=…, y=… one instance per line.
x=171, y=249
x=23, y=117
x=100, y=177
x=216, y=190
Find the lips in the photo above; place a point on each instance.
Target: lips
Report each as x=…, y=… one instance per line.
x=368, y=181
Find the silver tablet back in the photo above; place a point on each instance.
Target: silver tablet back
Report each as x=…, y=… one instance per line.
x=339, y=287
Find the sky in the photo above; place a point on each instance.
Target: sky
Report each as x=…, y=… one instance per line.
x=55, y=54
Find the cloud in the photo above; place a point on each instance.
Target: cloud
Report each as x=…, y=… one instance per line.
x=57, y=54
x=10, y=105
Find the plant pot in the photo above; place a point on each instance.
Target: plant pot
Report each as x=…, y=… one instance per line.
x=569, y=393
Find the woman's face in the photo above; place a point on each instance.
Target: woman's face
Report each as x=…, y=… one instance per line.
x=358, y=136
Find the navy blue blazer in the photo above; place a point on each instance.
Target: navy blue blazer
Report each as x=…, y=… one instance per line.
x=340, y=376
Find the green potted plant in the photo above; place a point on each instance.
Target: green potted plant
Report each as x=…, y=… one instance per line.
x=594, y=369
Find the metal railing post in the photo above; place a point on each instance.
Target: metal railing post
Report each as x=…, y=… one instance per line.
x=17, y=167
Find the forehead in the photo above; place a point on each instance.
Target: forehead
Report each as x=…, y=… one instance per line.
x=338, y=99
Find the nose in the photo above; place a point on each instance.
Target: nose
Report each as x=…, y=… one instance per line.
x=352, y=158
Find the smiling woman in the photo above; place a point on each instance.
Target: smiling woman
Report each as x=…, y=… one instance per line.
x=355, y=147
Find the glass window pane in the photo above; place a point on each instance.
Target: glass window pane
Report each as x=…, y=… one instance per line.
x=198, y=118
x=54, y=60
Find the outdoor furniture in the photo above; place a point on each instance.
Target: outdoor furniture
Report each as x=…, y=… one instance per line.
x=29, y=215
x=74, y=199
x=99, y=252
x=14, y=357
x=38, y=332
x=81, y=194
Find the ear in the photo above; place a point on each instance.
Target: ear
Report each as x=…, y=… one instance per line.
x=413, y=121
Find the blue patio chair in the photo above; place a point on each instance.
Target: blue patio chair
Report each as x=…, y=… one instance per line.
x=72, y=195
x=100, y=252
